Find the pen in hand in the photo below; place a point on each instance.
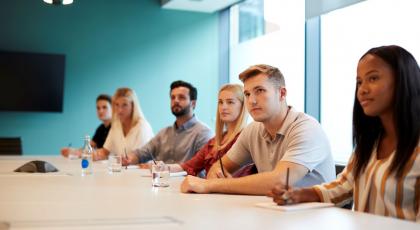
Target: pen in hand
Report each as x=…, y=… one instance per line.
x=221, y=166
x=126, y=157
x=285, y=196
x=153, y=158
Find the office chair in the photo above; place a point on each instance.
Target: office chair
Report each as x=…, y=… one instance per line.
x=339, y=168
x=10, y=146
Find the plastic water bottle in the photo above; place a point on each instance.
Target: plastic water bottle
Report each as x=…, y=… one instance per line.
x=87, y=157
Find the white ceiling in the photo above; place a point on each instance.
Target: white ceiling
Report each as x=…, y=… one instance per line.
x=207, y=6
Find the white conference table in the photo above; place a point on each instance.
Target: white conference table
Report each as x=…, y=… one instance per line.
x=126, y=200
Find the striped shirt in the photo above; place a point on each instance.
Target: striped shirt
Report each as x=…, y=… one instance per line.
x=376, y=190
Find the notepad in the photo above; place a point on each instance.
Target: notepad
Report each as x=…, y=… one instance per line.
x=294, y=207
x=133, y=167
x=173, y=174
x=176, y=174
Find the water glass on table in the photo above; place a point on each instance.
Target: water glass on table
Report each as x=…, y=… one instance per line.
x=72, y=153
x=160, y=175
x=114, y=163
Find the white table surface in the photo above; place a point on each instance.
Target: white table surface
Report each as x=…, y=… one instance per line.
x=126, y=200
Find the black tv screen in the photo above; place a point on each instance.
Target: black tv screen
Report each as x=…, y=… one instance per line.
x=31, y=81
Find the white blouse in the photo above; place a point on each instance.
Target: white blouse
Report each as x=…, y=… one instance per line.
x=138, y=136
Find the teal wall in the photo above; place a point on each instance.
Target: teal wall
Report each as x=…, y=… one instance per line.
x=109, y=44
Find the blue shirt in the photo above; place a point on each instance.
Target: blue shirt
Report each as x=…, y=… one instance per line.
x=176, y=144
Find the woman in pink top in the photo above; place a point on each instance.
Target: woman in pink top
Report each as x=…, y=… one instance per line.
x=230, y=120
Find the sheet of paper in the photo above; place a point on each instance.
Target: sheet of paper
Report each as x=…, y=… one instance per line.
x=133, y=167
x=294, y=207
x=174, y=174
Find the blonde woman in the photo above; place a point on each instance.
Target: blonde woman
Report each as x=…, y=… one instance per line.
x=130, y=129
x=231, y=118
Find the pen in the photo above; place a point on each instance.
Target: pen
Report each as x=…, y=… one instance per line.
x=221, y=166
x=285, y=196
x=153, y=158
x=125, y=155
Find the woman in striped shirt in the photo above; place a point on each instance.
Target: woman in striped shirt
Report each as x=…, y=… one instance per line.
x=383, y=174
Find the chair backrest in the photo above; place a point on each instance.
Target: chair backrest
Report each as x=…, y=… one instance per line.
x=339, y=168
x=10, y=146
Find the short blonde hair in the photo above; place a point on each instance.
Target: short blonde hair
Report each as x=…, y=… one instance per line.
x=273, y=74
x=137, y=114
x=241, y=121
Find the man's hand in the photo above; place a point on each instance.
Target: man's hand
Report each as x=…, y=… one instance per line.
x=65, y=151
x=195, y=184
x=149, y=164
x=145, y=166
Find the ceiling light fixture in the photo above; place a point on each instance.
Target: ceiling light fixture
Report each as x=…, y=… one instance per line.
x=59, y=2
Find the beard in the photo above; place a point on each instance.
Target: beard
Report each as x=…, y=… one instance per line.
x=179, y=111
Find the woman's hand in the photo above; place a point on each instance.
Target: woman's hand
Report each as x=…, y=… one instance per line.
x=292, y=196
x=129, y=159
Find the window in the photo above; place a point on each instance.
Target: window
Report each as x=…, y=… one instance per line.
x=346, y=34
x=270, y=32
x=251, y=19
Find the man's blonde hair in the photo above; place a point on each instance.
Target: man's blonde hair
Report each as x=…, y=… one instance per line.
x=273, y=74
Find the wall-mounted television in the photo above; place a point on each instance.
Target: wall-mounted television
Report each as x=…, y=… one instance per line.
x=31, y=81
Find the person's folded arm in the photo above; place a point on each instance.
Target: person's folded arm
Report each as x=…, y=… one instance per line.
x=257, y=184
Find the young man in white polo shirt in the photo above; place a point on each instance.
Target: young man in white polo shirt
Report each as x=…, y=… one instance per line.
x=279, y=139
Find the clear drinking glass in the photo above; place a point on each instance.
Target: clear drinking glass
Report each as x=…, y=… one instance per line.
x=114, y=163
x=160, y=175
x=73, y=154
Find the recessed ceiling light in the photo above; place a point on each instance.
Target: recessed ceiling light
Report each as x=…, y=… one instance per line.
x=59, y=2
